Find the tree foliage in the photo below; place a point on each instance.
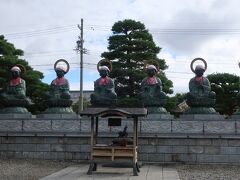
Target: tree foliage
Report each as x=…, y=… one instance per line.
x=226, y=87
x=35, y=87
x=130, y=45
x=172, y=102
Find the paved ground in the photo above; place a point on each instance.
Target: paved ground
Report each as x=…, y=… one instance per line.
x=148, y=172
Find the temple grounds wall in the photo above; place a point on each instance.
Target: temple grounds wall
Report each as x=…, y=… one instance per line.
x=198, y=139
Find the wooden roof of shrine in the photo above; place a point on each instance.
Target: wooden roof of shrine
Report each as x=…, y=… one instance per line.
x=105, y=112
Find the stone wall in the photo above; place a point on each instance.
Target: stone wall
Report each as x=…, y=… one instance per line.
x=188, y=139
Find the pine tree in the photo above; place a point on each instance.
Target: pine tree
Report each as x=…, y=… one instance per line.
x=129, y=47
x=35, y=87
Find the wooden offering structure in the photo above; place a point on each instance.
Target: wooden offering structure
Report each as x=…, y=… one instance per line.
x=113, y=153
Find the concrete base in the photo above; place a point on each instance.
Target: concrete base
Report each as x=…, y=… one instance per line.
x=235, y=116
x=155, y=117
x=58, y=116
x=201, y=110
x=17, y=116
x=157, y=110
x=201, y=117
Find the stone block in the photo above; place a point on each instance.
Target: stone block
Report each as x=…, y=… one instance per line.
x=38, y=155
x=29, y=147
x=196, y=149
x=22, y=140
x=148, y=149
x=143, y=141
x=203, y=142
x=180, y=149
x=9, y=139
x=155, y=127
x=74, y=140
x=37, y=140
x=68, y=156
x=174, y=142
x=60, y=155
x=143, y=157
x=168, y=157
x=17, y=116
x=220, y=158
x=156, y=157
x=85, y=148
x=58, y=147
x=219, y=127
x=73, y=148
x=164, y=149
x=187, y=158
x=3, y=147
x=103, y=126
x=81, y=156
x=204, y=158
x=238, y=126
x=203, y=117
x=229, y=150
x=85, y=125
x=155, y=117
x=220, y=142
x=43, y=147
x=18, y=155
x=37, y=125
x=234, y=142
x=212, y=149
x=10, y=125
x=66, y=125
x=51, y=140
x=234, y=159
x=15, y=147
x=185, y=127
x=50, y=155
x=235, y=117
x=58, y=116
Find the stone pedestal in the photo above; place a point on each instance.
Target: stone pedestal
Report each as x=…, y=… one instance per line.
x=201, y=110
x=156, y=110
x=58, y=116
x=201, y=117
x=16, y=116
x=156, y=117
x=59, y=110
x=16, y=110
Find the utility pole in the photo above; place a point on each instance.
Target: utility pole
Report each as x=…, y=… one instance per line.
x=81, y=51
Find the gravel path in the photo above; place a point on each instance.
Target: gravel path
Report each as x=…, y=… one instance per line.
x=14, y=169
x=21, y=169
x=209, y=172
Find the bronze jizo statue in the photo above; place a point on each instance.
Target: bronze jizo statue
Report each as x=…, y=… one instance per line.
x=13, y=97
x=104, y=93
x=200, y=97
x=151, y=94
x=59, y=99
x=122, y=139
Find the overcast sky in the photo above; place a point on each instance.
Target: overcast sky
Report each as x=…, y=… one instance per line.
x=46, y=30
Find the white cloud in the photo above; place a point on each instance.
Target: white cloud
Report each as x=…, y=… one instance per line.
x=218, y=43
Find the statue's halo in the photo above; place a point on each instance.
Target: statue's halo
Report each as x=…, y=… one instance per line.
x=151, y=62
x=198, y=59
x=105, y=61
x=62, y=60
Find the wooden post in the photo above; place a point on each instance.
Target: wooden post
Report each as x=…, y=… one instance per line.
x=91, y=166
x=135, y=173
x=96, y=130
